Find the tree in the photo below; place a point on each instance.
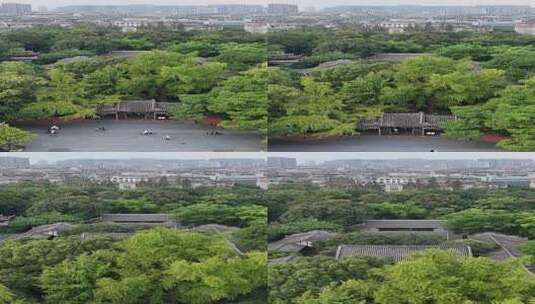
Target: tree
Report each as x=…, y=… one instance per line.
x=338, y=211
x=511, y=113
x=18, y=85
x=132, y=206
x=6, y=297
x=441, y=277
x=199, y=214
x=75, y=281
x=242, y=56
x=516, y=61
x=478, y=220
x=216, y=279
x=308, y=276
x=528, y=248
x=242, y=100
x=349, y=292
x=12, y=138
x=22, y=262
x=315, y=110
x=181, y=266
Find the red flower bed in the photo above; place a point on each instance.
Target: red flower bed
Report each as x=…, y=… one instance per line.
x=493, y=138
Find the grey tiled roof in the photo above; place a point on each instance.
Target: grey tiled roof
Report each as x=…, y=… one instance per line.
x=45, y=231
x=398, y=57
x=396, y=252
x=298, y=241
x=214, y=228
x=407, y=120
x=334, y=63
x=509, y=245
x=136, y=218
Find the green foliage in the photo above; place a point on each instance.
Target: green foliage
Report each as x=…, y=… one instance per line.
x=289, y=281
x=215, y=279
x=511, y=113
x=190, y=267
x=23, y=261
x=464, y=50
x=242, y=100
x=516, y=61
x=12, y=138
x=242, y=56
x=132, y=206
x=200, y=214
x=478, y=220
x=441, y=277
x=6, y=297
x=17, y=86
x=349, y=292
x=169, y=71
x=482, y=79
x=528, y=248
x=337, y=211
x=407, y=210
x=74, y=281
x=24, y=223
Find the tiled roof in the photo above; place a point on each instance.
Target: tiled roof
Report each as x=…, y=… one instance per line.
x=45, y=230
x=296, y=242
x=214, y=228
x=396, y=252
x=335, y=63
x=136, y=218
x=398, y=57
x=407, y=120
x=509, y=244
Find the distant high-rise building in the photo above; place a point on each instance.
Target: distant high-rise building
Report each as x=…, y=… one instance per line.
x=282, y=9
x=527, y=27
x=237, y=9
x=14, y=163
x=15, y=8
x=282, y=162
x=240, y=162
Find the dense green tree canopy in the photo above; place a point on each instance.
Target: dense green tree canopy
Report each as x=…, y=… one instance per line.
x=475, y=76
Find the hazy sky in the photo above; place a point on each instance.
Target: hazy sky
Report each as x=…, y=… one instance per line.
x=302, y=156
x=301, y=3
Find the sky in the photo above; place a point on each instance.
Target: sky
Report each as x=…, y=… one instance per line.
x=302, y=3
x=301, y=156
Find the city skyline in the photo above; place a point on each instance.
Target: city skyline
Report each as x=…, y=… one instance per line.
x=301, y=3
x=58, y=156
x=301, y=157
x=327, y=156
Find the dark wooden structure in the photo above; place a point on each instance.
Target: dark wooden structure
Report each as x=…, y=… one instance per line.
x=25, y=56
x=406, y=123
x=139, y=219
x=285, y=59
x=148, y=109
